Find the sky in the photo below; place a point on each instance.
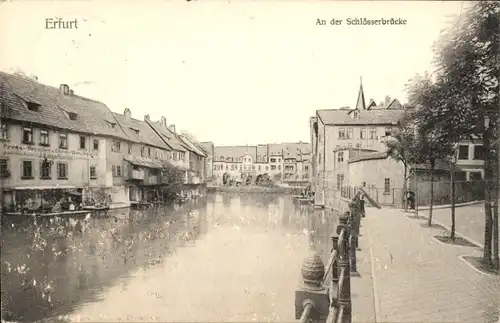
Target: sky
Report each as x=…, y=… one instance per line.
x=235, y=72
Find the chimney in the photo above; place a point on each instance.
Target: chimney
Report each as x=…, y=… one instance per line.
x=34, y=78
x=163, y=121
x=127, y=113
x=387, y=100
x=64, y=88
x=147, y=118
x=172, y=128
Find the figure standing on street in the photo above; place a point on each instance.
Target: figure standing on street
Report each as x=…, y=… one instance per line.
x=362, y=205
x=410, y=200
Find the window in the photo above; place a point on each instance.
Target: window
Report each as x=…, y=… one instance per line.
x=340, y=156
x=349, y=145
x=27, y=169
x=279, y=167
x=387, y=185
x=72, y=115
x=82, y=142
x=175, y=157
x=33, y=106
x=349, y=133
x=363, y=184
x=182, y=155
x=62, y=171
x=362, y=133
x=45, y=169
x=96, y=144
x=478, y=152
x=355, y=115
x=259, y=167
x=319, y=159
x=115, y=146
x=388, y=131
x=273, y=167
x=149, y=151
x=116, y=170
x=93, y=172
x=373, y=133
x=27, y=135
x=44, y=137
x=4, y=167
x=306, y=167
x=129, y=148
x=475, y=176
x=342, y=133
x=63, y=141
x=340, y=181
x=142, y=151
x=4, y=134
x=273, y=160
x=463, y=152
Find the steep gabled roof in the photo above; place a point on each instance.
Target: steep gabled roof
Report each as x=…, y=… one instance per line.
x=192, y=147
x=55, y=108
x=140, y=131
x=167, y=136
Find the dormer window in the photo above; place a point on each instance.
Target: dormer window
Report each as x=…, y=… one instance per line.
x=72, y=116
x=135, y=130
x=355, y=115
x=112, y=124
x=33, y=106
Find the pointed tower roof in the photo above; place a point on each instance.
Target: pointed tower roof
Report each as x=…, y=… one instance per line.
x=360, y=105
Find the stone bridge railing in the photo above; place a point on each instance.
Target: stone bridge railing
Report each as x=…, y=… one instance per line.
x=316, y=299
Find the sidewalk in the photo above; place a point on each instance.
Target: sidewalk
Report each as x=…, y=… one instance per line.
x=419, y=279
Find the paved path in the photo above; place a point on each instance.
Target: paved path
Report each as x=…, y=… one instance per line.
x=469, y=220
x=419, y=279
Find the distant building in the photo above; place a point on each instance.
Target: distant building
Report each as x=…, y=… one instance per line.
x=246, y=164
x=209, y=149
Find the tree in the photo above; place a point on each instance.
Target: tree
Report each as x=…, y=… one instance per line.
x=172, y=181
x=467, y=58
x=401, y=148
x=431, y=142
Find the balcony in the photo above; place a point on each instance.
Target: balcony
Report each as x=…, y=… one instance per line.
x=137, y=174
x=151, y=180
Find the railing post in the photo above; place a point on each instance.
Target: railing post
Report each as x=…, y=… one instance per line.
x=311, y=298
x=352, y=241
x=335, y=272
x=344, y=294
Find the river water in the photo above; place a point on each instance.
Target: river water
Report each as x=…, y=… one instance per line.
x=226, y=257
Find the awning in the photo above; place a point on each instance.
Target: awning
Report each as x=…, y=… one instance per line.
x=144, y=163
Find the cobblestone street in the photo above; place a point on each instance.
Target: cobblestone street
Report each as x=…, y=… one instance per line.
x=416, y=278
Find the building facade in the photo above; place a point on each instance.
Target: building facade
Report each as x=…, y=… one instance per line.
x=58, y=145
x=286, y=162
x=47, y=134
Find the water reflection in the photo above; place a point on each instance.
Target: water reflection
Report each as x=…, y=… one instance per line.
x=49, y=266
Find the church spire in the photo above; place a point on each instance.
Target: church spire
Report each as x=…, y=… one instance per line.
x=360, y=105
